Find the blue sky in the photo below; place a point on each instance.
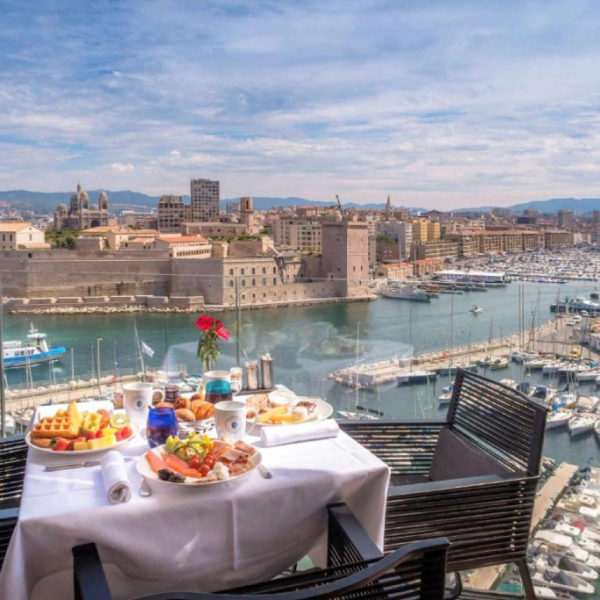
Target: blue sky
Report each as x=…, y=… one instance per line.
x=439, y=104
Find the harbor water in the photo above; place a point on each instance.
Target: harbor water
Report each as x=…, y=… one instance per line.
x=309, y=342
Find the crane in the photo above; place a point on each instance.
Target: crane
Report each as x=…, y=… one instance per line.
x=339, y=206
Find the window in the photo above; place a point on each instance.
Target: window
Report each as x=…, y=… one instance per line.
x=231, y=271
x=231, y=283
x=253, y=271
x=253, y=282
x=274, y=281
x=243, y=283
x=242, y=271
x=264, y=270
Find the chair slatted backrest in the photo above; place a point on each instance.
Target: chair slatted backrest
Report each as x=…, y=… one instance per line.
x=499, y=420
x=394, y=443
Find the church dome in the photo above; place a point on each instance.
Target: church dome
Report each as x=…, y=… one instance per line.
x=62, y=209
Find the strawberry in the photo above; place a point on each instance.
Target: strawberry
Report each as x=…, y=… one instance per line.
x=99, y=433
x=59, y=444
x=126, y=432
x=89, y=435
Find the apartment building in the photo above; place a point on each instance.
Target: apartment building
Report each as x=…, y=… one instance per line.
x=397, y=231
x=205, y=195
x=556, y=238
x=298, y=234
x=436, y=249
x=172, y=213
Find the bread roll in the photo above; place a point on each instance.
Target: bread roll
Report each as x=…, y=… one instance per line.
x=185, y=414
x=182, y=402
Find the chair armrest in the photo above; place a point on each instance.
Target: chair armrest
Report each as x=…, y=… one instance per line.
x=348, y=541
x=89, y=578
x=483, y=482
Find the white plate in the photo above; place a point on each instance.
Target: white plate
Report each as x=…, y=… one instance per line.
x=323, y=411
x=143, y=468
x=80, y=452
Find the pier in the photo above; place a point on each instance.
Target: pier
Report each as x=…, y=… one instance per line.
x=387, y=370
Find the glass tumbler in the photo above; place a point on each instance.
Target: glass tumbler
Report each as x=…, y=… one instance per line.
x=161, y=423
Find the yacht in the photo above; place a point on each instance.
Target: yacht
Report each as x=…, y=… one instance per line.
x=34, y=351
x=543, y=394
x=405, y=293
x=569, y=565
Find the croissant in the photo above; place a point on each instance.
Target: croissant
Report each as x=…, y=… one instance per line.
x=182, y=402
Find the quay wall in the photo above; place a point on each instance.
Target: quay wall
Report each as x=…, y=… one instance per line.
x=78, y=273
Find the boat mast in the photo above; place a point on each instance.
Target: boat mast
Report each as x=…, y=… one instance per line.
x=2, y=398
x=139, y=349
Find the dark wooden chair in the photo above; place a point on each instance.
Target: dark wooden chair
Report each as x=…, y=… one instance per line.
x=356, y=570
x=13, y=456
x=471, y=478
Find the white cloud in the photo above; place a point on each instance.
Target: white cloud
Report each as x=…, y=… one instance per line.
x=121, y=168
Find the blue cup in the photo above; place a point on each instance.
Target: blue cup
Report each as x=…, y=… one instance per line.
x=161, y=423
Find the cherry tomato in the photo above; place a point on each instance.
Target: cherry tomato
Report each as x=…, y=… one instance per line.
x=194, y=462
x=204, y=469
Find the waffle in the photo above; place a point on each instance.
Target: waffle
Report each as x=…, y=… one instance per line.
x=64, y=424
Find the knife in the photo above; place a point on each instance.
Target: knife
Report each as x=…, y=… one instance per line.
x=78, y=465
x=86, y=463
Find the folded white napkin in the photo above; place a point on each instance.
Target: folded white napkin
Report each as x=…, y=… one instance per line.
x=115, y=479
x=288, y=434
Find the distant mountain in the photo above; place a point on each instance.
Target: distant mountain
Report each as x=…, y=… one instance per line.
x=46, y=202
x=578, y=205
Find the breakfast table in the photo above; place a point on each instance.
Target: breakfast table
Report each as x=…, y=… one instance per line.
x=206, y=537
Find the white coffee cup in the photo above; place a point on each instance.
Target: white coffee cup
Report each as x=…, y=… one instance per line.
x=137, y=400
x=230, y=419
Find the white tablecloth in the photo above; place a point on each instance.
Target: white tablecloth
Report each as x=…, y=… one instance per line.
x=201, y=538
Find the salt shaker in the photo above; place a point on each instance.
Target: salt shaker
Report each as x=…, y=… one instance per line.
x=266, y=367
x=252, y=375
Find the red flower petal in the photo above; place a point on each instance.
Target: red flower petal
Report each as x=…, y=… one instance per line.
x=205, y=323
x=222, y=332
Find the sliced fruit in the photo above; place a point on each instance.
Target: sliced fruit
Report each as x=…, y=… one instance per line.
x=104, y=417
x=60, y=444
x=96, y=444
x=109, y=440
x=119, y=420
x=80, y=446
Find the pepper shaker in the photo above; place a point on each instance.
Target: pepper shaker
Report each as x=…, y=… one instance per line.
x=266, y=366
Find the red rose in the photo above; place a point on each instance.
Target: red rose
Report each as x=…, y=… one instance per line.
x=205, y=323
x=222, y=332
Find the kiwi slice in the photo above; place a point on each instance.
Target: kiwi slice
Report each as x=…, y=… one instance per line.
x=119, y=420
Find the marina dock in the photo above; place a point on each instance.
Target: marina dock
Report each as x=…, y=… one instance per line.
x=485, y=579
x=387, y=370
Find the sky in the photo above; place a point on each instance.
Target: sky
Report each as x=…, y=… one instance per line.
x=438, y=104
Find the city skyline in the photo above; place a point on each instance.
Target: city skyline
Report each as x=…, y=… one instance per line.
x=438, y=105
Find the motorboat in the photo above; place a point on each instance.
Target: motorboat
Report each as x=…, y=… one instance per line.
x=597, y=429
x=498, y=363
x=519, y=356
x=588, y=403
x=564, y=400
x=536, y=364
x=589, y=375
x=415, y=377
x=511, y=383
x=573, y=551
x=572, y=370
x=559, y=418
x=546, y=593
x=566, y=564
x=34, y=351
x=581, y=423
x=552, y=367
x=446, y=395
x=476, y=310
x=543, y=393
x=561, y=581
